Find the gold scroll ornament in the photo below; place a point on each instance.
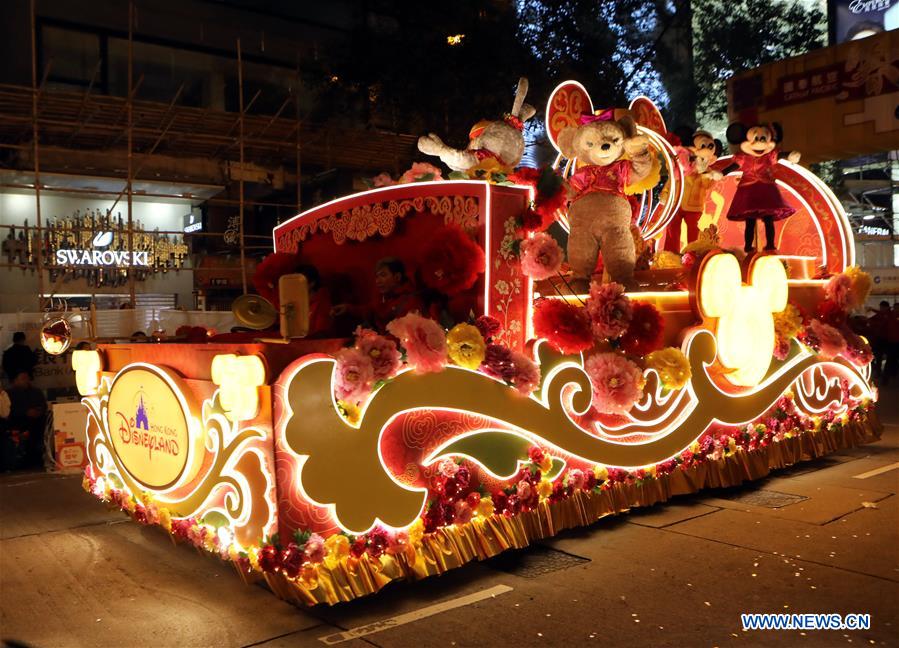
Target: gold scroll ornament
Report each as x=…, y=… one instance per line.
x=341, y=466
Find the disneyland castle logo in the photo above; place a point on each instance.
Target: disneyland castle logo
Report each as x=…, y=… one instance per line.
x=137, y=430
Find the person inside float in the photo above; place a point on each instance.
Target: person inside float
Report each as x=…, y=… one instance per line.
x=395, y=296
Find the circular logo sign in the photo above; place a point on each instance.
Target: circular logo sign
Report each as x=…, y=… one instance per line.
x=149, y=426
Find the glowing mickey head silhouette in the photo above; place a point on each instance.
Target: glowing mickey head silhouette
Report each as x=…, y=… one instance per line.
x=741, y=315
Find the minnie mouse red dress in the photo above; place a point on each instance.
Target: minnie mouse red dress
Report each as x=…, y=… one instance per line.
x=757, y=194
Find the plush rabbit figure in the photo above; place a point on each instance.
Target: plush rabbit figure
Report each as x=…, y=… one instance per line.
x=500, y=139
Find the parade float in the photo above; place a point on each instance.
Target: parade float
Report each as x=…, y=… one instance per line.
x=511, y=405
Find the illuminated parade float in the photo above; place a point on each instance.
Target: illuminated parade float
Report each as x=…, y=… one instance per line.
x=497, y=395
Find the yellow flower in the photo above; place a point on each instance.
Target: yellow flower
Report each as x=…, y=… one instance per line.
x=731, y=446
x=651, y=471
x=672, y=366
x=601, y=473
x=234, y=551
x=86, y=484
x=338, y=548
x=544, y=488
x=466, y=346
x=416, y=531
x=787, y=323
x=253, y=556
x=664, y=259
x=350, y=411
x=487, y=168
x=694, y=447
x=546, y=465
x=209, y=539
x=861, y=285
x=165, y=519
x=485, y=507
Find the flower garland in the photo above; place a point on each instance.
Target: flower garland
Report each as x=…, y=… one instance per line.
x=455, y=501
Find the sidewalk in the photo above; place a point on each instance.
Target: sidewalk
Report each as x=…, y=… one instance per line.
x=820, y=537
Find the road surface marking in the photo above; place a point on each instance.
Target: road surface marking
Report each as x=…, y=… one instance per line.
x=408, y=617
x=877, y=471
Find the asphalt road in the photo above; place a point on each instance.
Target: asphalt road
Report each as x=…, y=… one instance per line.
x=821, y=537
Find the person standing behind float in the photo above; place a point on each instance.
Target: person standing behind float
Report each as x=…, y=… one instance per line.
x=892, y=345
x=23, y=442
x=877, y=335
x=18, y=358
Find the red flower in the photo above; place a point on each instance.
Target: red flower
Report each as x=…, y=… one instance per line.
x=269, y=270
x=498, y=362
x=269, y=560
x=536, y=454
x=291, y=560
x=451, y=262
x=644, y=333
x=564, y=325
x=531, y=221
x=357, y=549
x=830, y=312
x=489, y=327
x=378, y=539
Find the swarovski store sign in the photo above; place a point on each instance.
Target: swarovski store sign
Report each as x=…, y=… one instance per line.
x=101, y=257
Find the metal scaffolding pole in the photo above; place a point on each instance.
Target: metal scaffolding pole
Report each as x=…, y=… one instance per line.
x=129, y=187
x=243, y=259
x=35, y=135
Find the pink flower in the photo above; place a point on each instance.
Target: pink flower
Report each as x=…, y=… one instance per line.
x=383, y=179
x=447, y=467
x=353, y=375
x=463, y=512
x=525, y=373
x=381, y=351
x=609, y=308
x=781, y=348
x=617, y=382
x=524, y=490
x=830, y=342
x=315, y=548
x=397, y=542
x=839, y=290
x=576, y=478
x=541, y=256
x=423, y=339
x=420, y=172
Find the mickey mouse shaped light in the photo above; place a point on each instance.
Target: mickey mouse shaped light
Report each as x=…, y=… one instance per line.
x=742, y=314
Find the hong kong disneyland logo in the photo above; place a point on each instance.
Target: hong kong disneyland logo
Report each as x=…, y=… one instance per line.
x=137, y=430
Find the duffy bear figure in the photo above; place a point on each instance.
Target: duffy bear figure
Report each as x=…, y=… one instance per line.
x=698, y=152
x=500, y=142
x=758, y=196
x=612, y=156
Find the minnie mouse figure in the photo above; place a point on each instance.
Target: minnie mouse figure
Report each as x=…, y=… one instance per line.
x=757, y=196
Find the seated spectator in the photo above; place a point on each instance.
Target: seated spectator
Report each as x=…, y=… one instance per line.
x=395, y=296
x=23, y=438
x=18, y=358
